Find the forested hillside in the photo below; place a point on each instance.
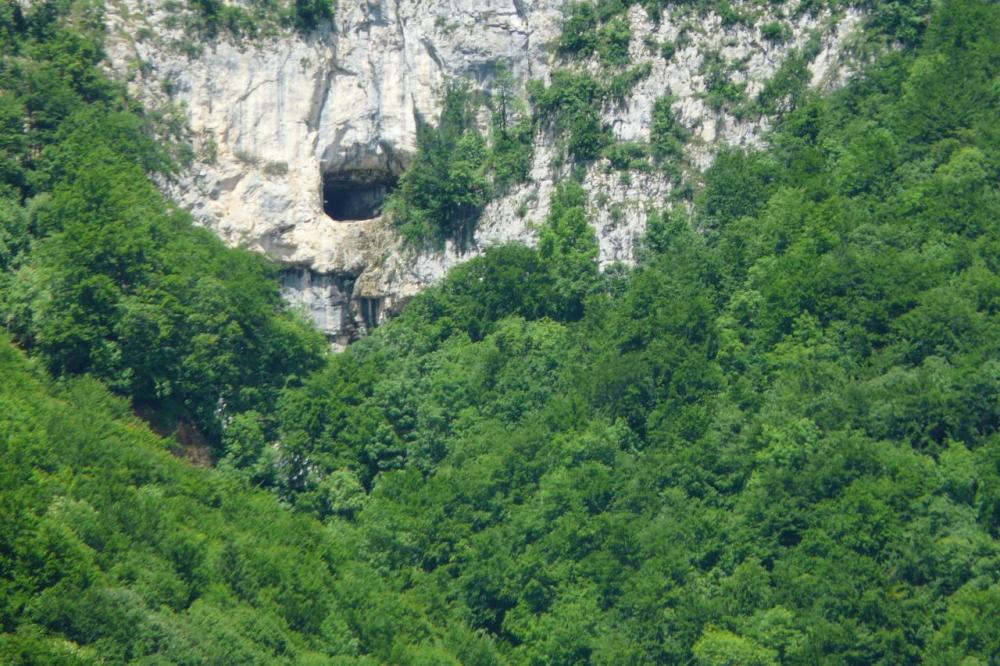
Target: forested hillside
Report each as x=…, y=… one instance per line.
x=774, y=441
x=112, y=551
x=101, y=275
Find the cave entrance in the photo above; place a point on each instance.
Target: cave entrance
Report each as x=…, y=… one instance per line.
x=355, y=196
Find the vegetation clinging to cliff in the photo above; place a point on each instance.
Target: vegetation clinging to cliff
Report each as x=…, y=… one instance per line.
x=457, y=170
x=256, y=18
x=101, y=274
x=777, y=440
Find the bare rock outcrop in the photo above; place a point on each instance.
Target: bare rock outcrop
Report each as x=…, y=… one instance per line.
x=297, y=138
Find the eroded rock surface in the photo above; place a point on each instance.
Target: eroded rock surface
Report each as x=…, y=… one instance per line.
x=291, y=130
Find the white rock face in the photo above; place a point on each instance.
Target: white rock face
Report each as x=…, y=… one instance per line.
x=269, y=119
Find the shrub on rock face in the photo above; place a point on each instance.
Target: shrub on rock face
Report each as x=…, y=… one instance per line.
x=666, y=135
x=310, y=13
x=456, y=169
x=774, y=32
x=440, y=196
x=571, y=103
x=579, y=34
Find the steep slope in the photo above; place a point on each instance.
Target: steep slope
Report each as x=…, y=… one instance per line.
x=112, y=552
x=99, y=273
x=283, y=125
x=775, y=441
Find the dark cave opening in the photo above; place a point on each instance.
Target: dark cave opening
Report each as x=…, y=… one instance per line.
x=350, y=196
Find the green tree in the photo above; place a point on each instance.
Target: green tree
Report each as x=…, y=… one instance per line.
x=439, y=198
x=568, y=244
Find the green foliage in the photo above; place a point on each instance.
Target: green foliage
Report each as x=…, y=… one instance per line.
x=775, y=440
x=621, y=84
x=788, y=87
x=775, y=31
x=720, y=90
x=572, y=103
x=440, y=195
x=668, y=49
x=309, y=14
x=14, y=235
x=627, y=156
x=601, y=26
x=567, y=244
x=589, y=29
x=579, y=31
x=723, y=648
x=101, y=275
x=511, y=136
x=256, y=18
x=612, y=42
x=739, y=184
x=113, y=551
x=666, y=135
x=901, y=20
x=456, y=171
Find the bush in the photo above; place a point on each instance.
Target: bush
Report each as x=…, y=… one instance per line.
x=440, y=196
x=775, y=32
x=622, y=84
x=667, y=137
x=667, y=49
x=276, y=168
x=214, y=17
x=588, y=29
x=613, y=40
x=579, y=31
x=786, y=87
x=720, y=89
x=627, y=155
x=308, y=14
x=572, y=103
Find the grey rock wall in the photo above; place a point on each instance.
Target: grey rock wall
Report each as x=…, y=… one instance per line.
x=272, y=120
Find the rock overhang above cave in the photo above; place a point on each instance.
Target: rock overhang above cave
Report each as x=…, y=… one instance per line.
x=355, y=183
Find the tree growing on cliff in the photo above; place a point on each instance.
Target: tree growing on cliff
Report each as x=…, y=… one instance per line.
x=440, y=196
x=308, y=14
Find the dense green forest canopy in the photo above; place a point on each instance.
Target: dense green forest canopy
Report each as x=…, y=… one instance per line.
x=113, y=551
x=100, y=274
x=773, y=441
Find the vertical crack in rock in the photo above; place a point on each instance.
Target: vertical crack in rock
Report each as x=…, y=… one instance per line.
x=329, y=301
x=370, y=310
x=321, y=92
x=432, y=52
x=519, y=8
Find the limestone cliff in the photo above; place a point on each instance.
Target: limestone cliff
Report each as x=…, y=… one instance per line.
x=287, y=126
